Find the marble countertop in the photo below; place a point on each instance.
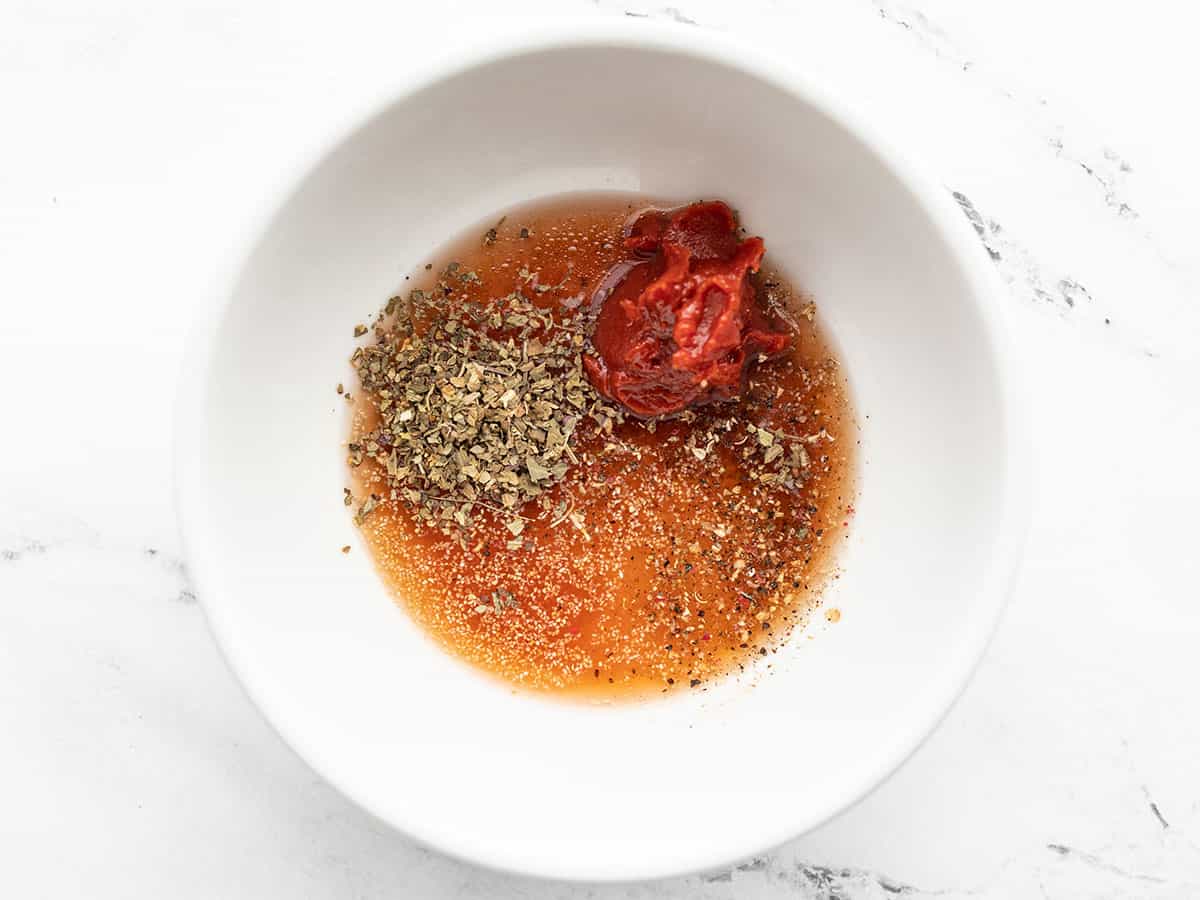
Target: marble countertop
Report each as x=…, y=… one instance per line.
x=137, y=133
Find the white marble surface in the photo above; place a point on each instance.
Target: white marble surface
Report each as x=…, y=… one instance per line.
x=136, y=137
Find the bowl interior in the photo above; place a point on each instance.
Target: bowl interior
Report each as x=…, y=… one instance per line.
x=552, y=788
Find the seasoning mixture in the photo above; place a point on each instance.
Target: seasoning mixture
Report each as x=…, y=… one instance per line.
x=597, y=449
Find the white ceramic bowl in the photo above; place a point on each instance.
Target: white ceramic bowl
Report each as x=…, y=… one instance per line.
x=509, y=780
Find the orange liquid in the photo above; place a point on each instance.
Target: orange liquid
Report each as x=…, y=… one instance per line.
x=685, y=569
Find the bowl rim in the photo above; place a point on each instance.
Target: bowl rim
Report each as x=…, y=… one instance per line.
x=934, y=202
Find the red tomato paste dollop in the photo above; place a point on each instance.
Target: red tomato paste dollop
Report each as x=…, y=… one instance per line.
x=679, y=322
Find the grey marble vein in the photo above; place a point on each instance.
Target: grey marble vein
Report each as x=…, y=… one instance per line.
x=925, y=32
x=670, y=13
x=1108, y=171
x=1025, y=275
x=1103, y=166
x=828, y=882
x=1158, y=816
x=23, y=548
x=176, y=565
x=1095, y=862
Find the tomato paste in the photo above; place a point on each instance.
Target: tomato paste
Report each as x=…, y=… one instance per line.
x=679, y=322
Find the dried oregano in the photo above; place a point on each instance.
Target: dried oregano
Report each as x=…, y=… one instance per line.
x=478, y=404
